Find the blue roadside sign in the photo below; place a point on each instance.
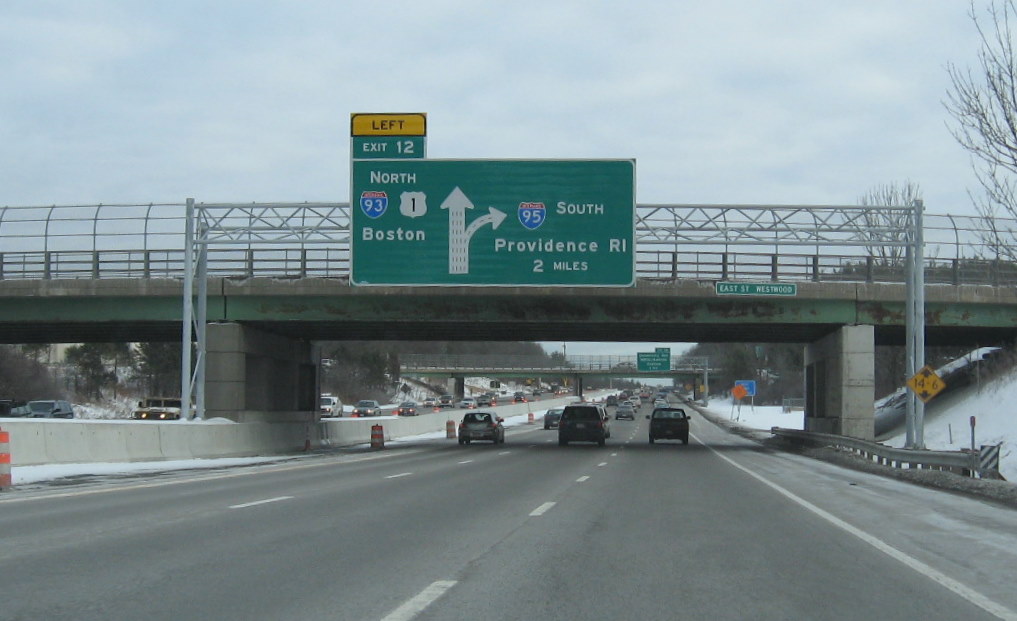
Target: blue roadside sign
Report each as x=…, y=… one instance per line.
x=750, y=387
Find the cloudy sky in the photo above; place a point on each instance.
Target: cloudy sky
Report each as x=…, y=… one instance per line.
x=719, y=101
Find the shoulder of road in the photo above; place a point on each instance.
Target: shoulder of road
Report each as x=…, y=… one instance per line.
x=1000, y=492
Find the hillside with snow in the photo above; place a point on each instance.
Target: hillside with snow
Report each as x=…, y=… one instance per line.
x=993, y=403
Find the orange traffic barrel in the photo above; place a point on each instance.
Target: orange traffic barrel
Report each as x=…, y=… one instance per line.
x=5, y=459
x=450, y=430
x=377, y=436
x=529, y=418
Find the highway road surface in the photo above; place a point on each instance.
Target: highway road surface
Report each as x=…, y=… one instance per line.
x=719, y=529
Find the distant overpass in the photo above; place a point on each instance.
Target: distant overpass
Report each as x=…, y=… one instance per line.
x=533, y=366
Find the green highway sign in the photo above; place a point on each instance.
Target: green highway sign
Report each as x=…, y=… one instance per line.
x=753, y=288
x=493, y=222
x=388, y=147
x=654, y=361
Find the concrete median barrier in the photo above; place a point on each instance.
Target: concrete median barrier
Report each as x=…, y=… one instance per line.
x=56, y=441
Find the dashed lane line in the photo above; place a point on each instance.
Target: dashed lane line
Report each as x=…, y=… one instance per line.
x=401, y=474
x=542, y=509
x=419, y=602
x=582, y=479
x=260, y=502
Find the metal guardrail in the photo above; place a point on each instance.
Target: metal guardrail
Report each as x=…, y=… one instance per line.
x=960, y=462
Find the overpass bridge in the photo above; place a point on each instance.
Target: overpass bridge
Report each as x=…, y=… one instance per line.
x=273, y=278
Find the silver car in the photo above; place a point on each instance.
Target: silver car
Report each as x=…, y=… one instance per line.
x=481, y=426
x=51, y=409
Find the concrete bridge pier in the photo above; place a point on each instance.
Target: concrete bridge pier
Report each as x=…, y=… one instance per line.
x=840, y=383
x=257, y=376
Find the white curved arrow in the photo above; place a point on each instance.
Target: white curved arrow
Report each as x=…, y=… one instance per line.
x=459, y=234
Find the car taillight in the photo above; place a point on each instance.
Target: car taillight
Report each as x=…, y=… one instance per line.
x=491, y=425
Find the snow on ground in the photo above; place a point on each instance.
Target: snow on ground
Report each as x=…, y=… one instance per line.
x=762, y=417
x=21, y=475
x=995, y=422
x=948, y=430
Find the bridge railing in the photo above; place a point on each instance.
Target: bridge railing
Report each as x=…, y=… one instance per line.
x=660, y=266
x=528, y=363
x=705, y=243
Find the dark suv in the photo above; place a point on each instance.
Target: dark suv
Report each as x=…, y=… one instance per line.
x=583, y=423
x=669, y=424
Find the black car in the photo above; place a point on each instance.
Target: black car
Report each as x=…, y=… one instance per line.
x=519, y=397
x=585, y=422
x=669, y=424
x=611, y=400
x=481, y=426
x=406, y=408
x=10, y=408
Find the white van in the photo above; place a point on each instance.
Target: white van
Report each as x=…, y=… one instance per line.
x=330, y=405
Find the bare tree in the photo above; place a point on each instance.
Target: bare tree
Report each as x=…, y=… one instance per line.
x=887, y=226
x=983, y=104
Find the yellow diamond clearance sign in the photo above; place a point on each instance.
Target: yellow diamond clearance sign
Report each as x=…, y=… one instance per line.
x=926, y=384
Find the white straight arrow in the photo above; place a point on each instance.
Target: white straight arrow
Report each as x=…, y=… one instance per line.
x=458, y=234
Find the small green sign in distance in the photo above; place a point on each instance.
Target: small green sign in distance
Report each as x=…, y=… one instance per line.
x=493, y=222
x=756, y=288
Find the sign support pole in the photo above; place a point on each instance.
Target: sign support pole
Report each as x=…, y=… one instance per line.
x=188, y=312
x=917, y=317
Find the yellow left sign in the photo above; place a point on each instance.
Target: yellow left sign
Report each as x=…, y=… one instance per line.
x=389, y=124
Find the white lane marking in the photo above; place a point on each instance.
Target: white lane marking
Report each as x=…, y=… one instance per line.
x=468, y=461
x=416, y=605
x=994, y=608
x=602, y=464
x=504, y=452
x=542, y=509
x=401, y=474
x=614, y=454
x=260, y=502
x=582, y=479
